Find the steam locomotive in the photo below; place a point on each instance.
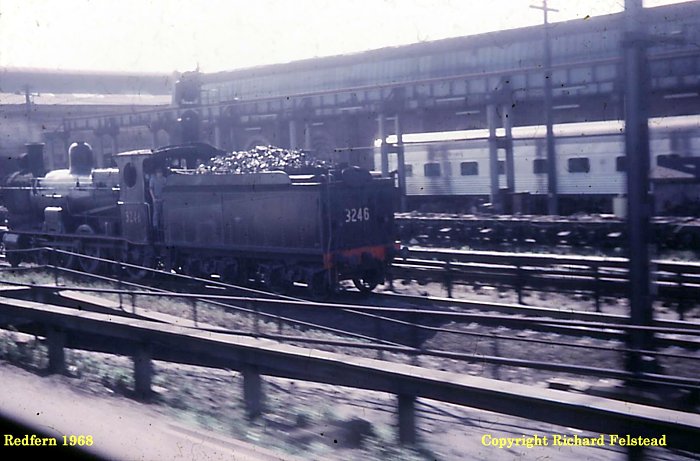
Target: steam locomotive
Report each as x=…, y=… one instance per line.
x=275, y=228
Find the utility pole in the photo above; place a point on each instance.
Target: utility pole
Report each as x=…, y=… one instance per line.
x=552, y=198
x=28, y=102
x=635, y=73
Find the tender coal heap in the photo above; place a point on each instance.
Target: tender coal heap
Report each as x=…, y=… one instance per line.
x=260, y=159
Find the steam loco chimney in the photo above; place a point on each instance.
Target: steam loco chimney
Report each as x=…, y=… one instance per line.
x=189, y=126
x=80, y=158
x=32, y=161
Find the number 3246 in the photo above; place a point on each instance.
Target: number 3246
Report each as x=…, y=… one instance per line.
x=356, y=214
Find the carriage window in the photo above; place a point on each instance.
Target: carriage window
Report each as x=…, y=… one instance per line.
x=431, y=169
x=501, y=167
x=408, y=168
x=469, y=168
x=539, y=166
x=621, y=163
x=579, y=165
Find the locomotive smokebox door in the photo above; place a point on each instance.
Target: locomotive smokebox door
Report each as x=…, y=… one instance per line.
x=134, y=206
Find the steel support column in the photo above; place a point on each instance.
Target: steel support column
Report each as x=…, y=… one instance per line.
x=383, y=147
x=407, y=419
x=226, y=136
x=51, y=163
x=491, y=120
x=508, y=146
x=552, y=185
x=65, y=137
x=307, y=136
x=252, y=391
x=56, y=340
x=639, y=199
x=217, y=134
x=293, y=142
x=401, y=164
x=232, y=138
x=115, y=145
x=103, y=149
x=143, y=372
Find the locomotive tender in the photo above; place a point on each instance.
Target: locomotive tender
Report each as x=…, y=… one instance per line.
x=273, y=227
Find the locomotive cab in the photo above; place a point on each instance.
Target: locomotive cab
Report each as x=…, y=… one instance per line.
x=135, y=168
x=134, y=209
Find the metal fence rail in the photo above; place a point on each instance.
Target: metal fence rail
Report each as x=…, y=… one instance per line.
x=146, y=341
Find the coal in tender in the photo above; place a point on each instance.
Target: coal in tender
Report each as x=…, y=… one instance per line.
x=260, y=159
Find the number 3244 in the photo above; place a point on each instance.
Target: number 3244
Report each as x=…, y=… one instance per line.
x=356, y=214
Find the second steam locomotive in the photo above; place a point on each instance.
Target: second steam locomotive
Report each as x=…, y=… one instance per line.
x=273, y=227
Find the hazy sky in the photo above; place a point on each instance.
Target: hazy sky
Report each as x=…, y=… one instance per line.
x=169, y=35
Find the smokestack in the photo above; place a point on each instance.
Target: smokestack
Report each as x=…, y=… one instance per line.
x=35, y=159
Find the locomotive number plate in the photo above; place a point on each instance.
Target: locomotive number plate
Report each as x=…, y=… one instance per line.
x=132, y=217
x=356, y=214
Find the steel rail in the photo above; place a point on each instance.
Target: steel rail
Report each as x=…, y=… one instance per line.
x=662, y=379
x=448, y=315
x=377, y=318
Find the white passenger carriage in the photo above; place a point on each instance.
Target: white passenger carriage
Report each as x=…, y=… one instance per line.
x=591, y=161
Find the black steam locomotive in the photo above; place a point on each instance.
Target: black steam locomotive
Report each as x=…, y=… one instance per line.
x=272, y=227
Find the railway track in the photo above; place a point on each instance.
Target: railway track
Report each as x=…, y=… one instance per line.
x=448, y=309
x=674, y=282
x=602, y=232
x=393, y=299
x=410, y=325
x=677, y=282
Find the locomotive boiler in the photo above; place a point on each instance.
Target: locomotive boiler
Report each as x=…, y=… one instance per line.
x=47, y=209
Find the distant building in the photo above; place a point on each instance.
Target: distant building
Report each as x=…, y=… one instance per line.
x=35, y=103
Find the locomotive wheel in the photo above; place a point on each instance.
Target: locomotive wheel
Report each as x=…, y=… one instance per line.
x=274, y=280
x=92, y=266
x=365, y=285
x=281, y=286
x=138, y=256
x=320, y=286
x=232, y=273
x=61, y=259
x=13, y=258
x=41, y=257
x=193, y=268
x=368, y=282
